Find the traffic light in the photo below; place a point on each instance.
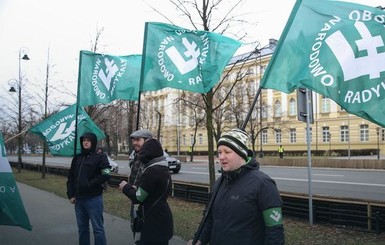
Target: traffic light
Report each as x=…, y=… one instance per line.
x=301, y=104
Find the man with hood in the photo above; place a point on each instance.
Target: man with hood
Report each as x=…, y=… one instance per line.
x=87, y=174
x=151, y=193
x=246, y=207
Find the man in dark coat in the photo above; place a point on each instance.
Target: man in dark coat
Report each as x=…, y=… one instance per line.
x=87, y=174
x=247, y=207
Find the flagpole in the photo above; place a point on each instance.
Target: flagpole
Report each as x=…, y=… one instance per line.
x=309, y=154
x=138, y=112
x=77, y=104
x=22, y=132
x=141, y=74
x=251, y=108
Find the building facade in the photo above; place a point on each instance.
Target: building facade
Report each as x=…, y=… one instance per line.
x=273, y=121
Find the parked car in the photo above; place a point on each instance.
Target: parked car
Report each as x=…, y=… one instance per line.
x=173, y=164
x=114, y=165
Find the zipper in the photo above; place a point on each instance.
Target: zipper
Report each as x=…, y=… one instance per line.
x=80, y=171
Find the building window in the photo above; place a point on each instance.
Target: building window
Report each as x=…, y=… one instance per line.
x=264, y=136
x=264, y=110
x=293, y=135
x=292, y=107
x=278, y=136
x=277, y=109
x=191, y=139
x=310, y=134
x=364, y=133
x=325, y=134
x=325, y=104
x=200, y=139
x=344, y=133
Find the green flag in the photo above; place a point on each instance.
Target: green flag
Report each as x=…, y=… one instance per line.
x=335, y=49
x=12, y=210
x=59, y=131
x=104, y=78
x=184, y=59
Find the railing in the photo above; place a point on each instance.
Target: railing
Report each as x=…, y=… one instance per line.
x=349, y=214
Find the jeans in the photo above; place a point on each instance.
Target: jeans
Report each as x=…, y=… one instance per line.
x=87, y=209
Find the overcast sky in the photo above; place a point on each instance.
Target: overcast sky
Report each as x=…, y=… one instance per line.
x=68, y=26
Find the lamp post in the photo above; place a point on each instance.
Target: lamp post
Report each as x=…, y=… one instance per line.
x=22, y=56
x=378, y=143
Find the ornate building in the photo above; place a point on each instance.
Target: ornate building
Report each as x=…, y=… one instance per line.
x=273, y=121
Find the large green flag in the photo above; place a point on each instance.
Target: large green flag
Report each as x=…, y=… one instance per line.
x=12, y=210
x=104, y=78
x=335, y=49
x=183, y=59
x=59, y=131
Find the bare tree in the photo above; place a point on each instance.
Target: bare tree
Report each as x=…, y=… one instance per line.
x=206, y=15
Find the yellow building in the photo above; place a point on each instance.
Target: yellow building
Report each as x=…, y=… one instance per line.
x=274, y=118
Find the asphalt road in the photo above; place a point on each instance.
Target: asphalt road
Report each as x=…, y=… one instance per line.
x=360, y=184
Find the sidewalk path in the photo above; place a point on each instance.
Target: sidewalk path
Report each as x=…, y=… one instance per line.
x=53, y=220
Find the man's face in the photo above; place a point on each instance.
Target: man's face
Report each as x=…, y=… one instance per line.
x=229, y=159
x=137, y=143
x=86, y=143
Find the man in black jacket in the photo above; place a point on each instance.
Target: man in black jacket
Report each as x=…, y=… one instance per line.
x=246, y=207
x=88, y=172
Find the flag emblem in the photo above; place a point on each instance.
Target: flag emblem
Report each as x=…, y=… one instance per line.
x=336, y=49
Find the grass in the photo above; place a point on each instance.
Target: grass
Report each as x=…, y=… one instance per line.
x=187, y=216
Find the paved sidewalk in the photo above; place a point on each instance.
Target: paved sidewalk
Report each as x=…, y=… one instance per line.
x=53, y=220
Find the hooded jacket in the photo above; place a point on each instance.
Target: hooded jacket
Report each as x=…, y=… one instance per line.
x=237, y=214
x=88, y=171
x=152, y=192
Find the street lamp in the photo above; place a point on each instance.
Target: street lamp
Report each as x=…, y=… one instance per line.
x=22, y=56
x=378, y=142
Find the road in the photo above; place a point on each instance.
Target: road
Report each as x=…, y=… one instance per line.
x=361, y=184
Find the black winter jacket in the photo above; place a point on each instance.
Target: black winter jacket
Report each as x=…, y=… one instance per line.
x=236, y=216
x=156, y=181
x=88, y=171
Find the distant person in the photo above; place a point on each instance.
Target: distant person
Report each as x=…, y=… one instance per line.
x=281, y=150
x=100, y=151
x=151, y=193
x=87, y=174
x=247, y=207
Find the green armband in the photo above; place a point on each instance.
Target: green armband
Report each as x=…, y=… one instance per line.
x=106, y=171
x=272, y=216
x=141, y=195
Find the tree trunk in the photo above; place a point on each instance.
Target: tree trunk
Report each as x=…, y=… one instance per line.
x=210, y=138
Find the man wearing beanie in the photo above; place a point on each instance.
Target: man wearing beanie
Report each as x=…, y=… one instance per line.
x=151, y=193
x=246, y=207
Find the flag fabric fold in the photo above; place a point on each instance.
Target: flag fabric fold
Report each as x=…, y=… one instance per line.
x=59, y=130
x=104, y=78
x=12, y=212
x=183, y=59
x=336, y=49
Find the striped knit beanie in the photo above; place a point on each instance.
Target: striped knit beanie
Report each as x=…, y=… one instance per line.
x=237, y=140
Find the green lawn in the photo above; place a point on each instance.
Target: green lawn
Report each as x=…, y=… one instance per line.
x=187, y=216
